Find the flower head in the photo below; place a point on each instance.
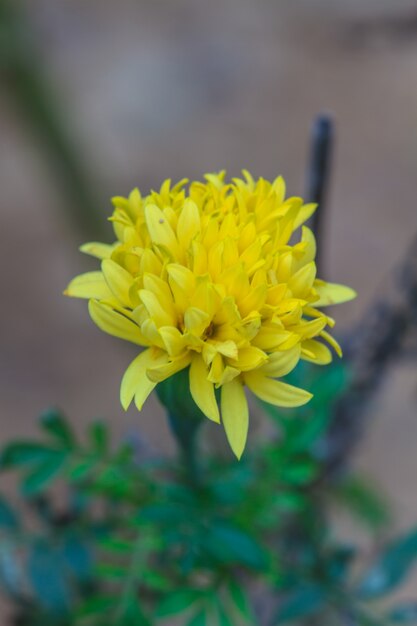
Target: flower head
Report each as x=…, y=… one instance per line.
x=211, y=278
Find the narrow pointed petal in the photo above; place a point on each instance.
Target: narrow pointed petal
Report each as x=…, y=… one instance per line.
x=305, y=212
x=202, y=390
x=135, y=377
x=235, y=415
x=316, y=352
x=159, y=373
x=276, y=392
x=160, y=230
x=331, y=293
x=114, y=323
x=89, y=285
x=188, y=223
x=281, y=363
x=119, y=281
x=97, y=249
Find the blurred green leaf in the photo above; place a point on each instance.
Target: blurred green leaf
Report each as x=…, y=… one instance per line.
x=177, y=602
x=46, y=574
x=20, y=453
x=363, y=501
x=99, y=436
x=224, y=618
x=77, y=555
x=199, y=619
x=111, y=571
x=80, y=470
x=130, y=614
x=240, y=599
x=56, y=425
x=405, y=613
x=43, y=474
x=299, y=473
x=391, y=567
x=303, y=603
x=229, y=544
x=8, y=517
x=96, y=605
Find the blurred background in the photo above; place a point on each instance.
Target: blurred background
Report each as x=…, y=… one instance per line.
x=99, y=97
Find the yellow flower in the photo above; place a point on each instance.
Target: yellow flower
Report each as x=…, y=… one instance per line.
x=212, y=279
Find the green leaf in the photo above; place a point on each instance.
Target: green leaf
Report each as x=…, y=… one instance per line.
x=240, y=599
x=99, y=437
x=8, y=518
x=47, y=578
x=81, y=469
x=99, y=604
x=304, y=602
x=229, y=544
x=177, y=602
x=57, y=426
x=111, y=571
x=43, y=474
x=131, y=614
x=21, y=453
x=299, y=473
x=199, y=619
x=224, y=618
x=165, y=513
x=118, y=546
x=403, y=614
x=76, y=553
x=155, y=580
x=363, y=501
x=391, y=568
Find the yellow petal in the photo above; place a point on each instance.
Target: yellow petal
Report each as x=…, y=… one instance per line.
x=310, y=329
x=235, y=415
x=89, y=285
x=118, y=280
x=253, y=301
x=160, y=372
x=202, y=390
x=161, y=315
x=160, y=230
x=226, y=348
x=115, y=324
x=188, y=223
x=135, y=377
x=97, y=249
x=173, y=340
x=281, y=363
x=302, y=281
x=195, y=320
x=160, y=288
x=331, y=293
x=181, y=281
x=275, y=391
x=305, y=212
x=332, y=341
x=316, y=352
x=248, y=359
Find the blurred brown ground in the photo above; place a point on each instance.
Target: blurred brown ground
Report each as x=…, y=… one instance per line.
x=172, y=89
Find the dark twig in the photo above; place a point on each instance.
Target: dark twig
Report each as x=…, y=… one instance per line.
x=377, y=342
x=318, y=173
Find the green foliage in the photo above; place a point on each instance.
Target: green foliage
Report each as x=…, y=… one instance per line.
x=135, y=542
x=391, y=566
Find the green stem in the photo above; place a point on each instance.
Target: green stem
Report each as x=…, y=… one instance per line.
x=185, y=419
x=185, y=431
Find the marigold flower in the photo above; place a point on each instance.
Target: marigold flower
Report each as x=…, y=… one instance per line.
x=210, y=279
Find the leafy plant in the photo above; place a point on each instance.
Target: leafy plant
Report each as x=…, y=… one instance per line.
x=111, y=538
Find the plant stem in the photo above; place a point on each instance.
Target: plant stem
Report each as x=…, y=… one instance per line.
x=185, y=419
